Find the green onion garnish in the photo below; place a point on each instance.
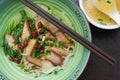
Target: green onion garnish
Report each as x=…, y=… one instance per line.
x=109, y=1
x=55, y=72
x=101, y=21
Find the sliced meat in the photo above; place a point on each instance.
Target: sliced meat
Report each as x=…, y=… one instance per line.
x=30, y=47
x=26, y=31
x=39, y=62
x=59, y=51
x=46, y=64
x=53, y=29
x=10, y=39
x=49, y=35
x=36, y=61
x=55, y=59
x=60, y=36
x=49, y=26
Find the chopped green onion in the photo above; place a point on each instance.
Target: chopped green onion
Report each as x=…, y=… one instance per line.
x=36, y=76
x=43, y=34
x=26, y=70
x=60, y=44
x=39, y=56
x=55, y=72
x=32, y=24
x=109, y=1
x=30, y=37
x=52, y=39
x=73, y=55
x=101, y=22
x=33, y=67
x=47, y=52
x=36, y=53
x=21, y=66
x=23, y=14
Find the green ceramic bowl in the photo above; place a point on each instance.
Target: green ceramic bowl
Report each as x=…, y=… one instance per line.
x=61, y=9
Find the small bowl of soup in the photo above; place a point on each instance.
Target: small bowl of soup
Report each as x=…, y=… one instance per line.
x=96, y=17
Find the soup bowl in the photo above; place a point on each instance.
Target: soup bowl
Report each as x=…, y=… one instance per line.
x=98, y=22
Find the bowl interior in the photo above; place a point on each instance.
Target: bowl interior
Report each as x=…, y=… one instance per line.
x=108, y=27
x=64, y=10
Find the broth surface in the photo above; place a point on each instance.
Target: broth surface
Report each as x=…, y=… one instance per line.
x=96, y=14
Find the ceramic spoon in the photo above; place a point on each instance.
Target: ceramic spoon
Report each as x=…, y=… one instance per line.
x=109, y=8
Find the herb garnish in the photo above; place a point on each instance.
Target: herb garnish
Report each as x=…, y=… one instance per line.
x=101, y=21
x=47, y=52
x=60, y=44
x=36, y=76
x=109, y=1
x=55, y=72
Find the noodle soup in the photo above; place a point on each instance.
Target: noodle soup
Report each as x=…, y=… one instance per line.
x=36, y=45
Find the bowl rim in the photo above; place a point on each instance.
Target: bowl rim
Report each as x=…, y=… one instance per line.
x=108, y=27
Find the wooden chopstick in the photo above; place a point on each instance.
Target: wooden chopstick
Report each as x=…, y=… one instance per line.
x=69, y=31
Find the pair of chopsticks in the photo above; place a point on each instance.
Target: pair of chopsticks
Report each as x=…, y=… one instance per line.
x=69, y=31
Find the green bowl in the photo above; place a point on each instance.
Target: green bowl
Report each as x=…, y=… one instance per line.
x=61, y=9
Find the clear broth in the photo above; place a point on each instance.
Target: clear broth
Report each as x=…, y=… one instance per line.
x=96, y=14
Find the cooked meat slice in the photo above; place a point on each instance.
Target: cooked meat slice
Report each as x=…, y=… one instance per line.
x=46, y=64
x=59, y=51
x=10, y=39
x=49, y=26
x=36, y=61
x=53, y=29
x=49, y=35
x=55, y=59
x=26, y=31
x=60, y=36
x=30, y=47
x=39, y=62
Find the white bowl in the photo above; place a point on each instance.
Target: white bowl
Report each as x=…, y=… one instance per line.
x=108, y=27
